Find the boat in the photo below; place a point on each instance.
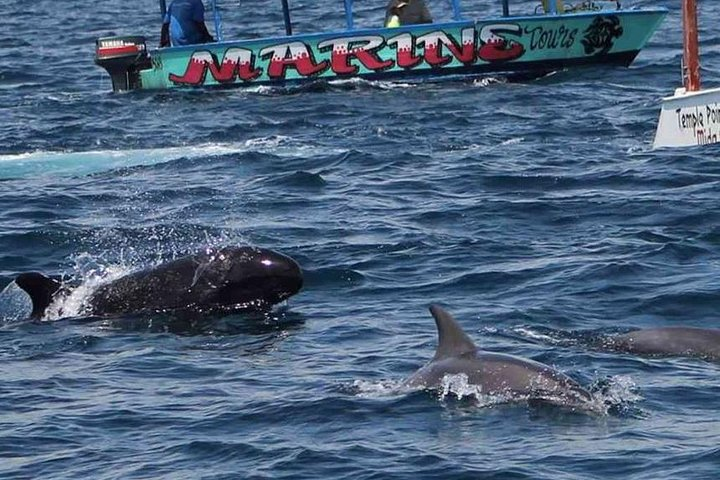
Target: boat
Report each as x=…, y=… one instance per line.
x=692, y=115
x=553, y=36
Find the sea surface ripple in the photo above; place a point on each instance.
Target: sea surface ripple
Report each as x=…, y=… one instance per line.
x=536, y=212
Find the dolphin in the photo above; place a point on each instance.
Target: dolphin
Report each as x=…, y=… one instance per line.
x=213, y=280
x=669, y=341
x=494, y=373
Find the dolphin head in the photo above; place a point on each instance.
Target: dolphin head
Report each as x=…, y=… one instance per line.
x=250, y=276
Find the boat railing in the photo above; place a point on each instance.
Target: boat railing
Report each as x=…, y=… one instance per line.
x=559, y=7
x=545, y=7
x=217, y=21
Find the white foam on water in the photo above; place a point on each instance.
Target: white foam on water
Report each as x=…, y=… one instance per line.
x=284, y=146
x=83, y=163
x=488, y=81
x=49, y=163
x=620, y=390
x=379, y=84
x=140, y=352
x=382, y=388
x=528, y=333
x=475, y=148
x=513, y=141
x=261, y=89
x=266, y=143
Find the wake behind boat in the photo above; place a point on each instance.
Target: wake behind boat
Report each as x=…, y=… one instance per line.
x=553, y=36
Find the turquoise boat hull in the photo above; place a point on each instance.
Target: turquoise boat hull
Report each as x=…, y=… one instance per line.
x=429, y=51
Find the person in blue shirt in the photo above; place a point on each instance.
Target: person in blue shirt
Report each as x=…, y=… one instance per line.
x=184, y=24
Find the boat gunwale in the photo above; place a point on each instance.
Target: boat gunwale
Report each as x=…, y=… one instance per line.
x=675, y=98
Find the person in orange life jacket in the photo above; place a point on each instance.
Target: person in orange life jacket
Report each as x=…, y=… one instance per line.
x=184, y=24
x=406, y=12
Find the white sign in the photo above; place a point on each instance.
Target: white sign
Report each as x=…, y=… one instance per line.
x=689, y=118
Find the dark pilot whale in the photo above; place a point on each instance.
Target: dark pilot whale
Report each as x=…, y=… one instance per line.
x=669, y=341
x=494, y=373
x=214, y=280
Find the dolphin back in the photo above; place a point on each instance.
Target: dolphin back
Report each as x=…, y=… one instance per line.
x=674, y=341
x=494, y=373
x=41, y=289
x=170, y=286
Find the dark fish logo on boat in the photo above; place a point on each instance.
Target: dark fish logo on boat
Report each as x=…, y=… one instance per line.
x=601, y=34
x=495, y=47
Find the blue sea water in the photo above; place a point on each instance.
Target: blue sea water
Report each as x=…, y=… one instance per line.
x=536, y=212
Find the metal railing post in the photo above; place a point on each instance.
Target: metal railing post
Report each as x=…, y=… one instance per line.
x=286, y=15
x=216, y=18
x=349, y=14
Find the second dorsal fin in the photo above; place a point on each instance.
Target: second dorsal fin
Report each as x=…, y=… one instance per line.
x=452, y=340
x=41, y=289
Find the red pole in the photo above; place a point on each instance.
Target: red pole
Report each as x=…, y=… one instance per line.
x=690, y=45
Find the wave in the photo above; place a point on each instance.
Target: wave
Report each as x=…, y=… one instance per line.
x=76, y=163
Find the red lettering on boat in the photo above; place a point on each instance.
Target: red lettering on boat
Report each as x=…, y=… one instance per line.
x=236, y=62
x=295, y=55
x=435, y=41
x=343, y=50
x=495, y=47
x=405, y=45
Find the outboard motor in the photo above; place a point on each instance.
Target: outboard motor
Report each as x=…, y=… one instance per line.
x=123, y=58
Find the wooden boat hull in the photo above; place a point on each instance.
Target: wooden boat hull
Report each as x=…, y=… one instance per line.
x=418, y=52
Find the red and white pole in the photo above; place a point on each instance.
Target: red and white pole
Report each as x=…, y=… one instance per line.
x=690, y=46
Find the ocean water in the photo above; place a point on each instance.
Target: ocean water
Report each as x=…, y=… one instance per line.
x=536, y=212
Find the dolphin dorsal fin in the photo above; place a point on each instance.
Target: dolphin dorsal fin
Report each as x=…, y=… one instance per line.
x=41, y=290
x=452, y=340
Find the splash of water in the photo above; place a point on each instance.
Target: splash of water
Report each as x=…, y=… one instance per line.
x=75, y=303
x=488, y=81
x=15, y=304
x=459, y=386
x=617, y=394
x=381, y=389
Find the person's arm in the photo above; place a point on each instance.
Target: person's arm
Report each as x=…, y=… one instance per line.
x=165, y=35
